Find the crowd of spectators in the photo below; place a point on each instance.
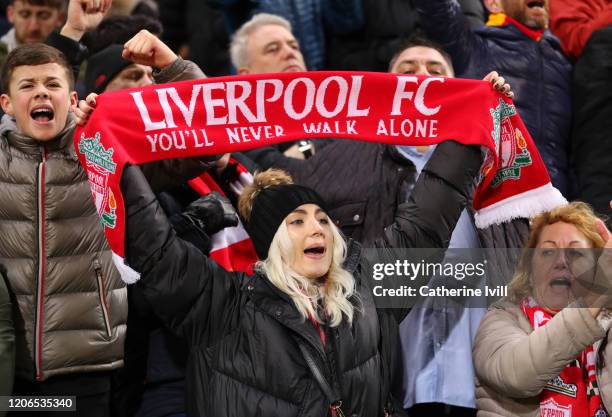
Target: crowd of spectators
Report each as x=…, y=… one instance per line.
x=554, y=55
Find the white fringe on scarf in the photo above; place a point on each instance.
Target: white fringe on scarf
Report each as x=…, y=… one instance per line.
x=525, y=205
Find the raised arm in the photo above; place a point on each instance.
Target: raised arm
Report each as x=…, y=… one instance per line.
x=188, y=291
x=82, y=16
x=519, y=364
x=343, y=16
x=147, y=49
x=444, y=22
x=428, y=217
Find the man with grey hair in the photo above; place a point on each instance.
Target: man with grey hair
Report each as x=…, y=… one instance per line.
x=266, y=44
x=312, y=21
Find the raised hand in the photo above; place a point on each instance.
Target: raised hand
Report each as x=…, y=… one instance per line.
x=84, y=15
x=601, y=295
x=499, y=83
x=147, y=49
x=84, y=109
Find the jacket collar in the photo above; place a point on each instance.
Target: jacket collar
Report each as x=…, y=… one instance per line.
x=268, y=298
x=31, y=146
x=501, y=19
x=9, y=40
x=353, y=255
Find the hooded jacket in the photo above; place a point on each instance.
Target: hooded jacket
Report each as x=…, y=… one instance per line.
x=243, y=331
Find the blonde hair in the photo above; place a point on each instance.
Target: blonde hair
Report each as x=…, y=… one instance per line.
x=577, y=213
x=338, y=287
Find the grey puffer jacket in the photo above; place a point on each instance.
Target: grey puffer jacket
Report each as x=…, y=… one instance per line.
x=71, y=304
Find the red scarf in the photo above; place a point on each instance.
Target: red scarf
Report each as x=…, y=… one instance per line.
x=501, y=19
x=232, y=247
x=229, y=114
x=574, y=393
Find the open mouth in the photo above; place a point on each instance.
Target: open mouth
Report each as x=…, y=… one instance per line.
x=315, y=250
x=535, y=3
x=42, y=114
x=561, y=282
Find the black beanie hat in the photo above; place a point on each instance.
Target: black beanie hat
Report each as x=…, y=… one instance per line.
x=270, y=207
x=103, y=66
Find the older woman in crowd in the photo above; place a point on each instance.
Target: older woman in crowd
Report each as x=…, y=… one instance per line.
x=543, y=350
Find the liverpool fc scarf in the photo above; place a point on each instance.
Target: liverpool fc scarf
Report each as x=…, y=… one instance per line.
x=230, y=114
x=232, y=247
x=574, y=393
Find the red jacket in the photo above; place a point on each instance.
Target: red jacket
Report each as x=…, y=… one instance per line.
x=574, y=21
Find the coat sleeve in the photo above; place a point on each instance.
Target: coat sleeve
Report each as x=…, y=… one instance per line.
x=343, y=16
x=7, y=341
x=179, y=70
x=519, y=364
x=444, y=22
x=474, y=12
x=192, y=294
x=428, y=218
x=167, y=173
x=575, y=21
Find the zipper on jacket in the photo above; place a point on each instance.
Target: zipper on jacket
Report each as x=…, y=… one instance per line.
x=102, y=295
x=331, y=350
x=40, y=282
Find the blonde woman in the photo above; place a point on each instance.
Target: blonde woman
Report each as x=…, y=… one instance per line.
x=258, y=341
x=544, y=350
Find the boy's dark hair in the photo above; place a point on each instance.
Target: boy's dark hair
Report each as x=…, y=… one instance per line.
x=56, y=4
x=120, y=29
x=420, y=40
x=33, y=54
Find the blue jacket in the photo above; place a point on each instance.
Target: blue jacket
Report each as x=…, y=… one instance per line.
x=538, y=72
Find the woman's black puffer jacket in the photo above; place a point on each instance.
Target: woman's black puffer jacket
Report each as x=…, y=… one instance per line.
x=244, y=358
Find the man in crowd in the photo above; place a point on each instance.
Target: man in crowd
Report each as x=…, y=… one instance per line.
x=266, y=44
x=70, y=304
x=438, y=371
x=517, y=43
x=69, y=315
x=33, y=21
x=312, y=21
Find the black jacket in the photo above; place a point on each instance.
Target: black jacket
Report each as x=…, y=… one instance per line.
x=538, y=71
x=591, y=141
x=388, y=23
x=244, y=359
